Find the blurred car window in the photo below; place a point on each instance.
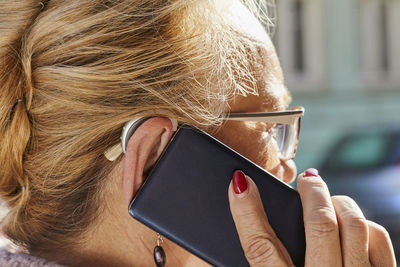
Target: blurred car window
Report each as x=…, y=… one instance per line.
x=360, y=152
x=363, y=151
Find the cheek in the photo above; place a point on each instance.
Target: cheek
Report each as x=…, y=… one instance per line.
x=250, y=143
x=273, y=158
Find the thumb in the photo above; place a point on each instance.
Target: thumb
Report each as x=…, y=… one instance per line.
x=259, y=242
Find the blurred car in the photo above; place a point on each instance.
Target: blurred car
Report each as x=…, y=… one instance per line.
x=365, y=165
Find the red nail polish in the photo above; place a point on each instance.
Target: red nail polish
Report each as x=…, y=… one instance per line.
x=311, y=172
x=239, y=182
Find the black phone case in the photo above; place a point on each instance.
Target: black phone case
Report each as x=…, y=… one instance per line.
x=185, y=198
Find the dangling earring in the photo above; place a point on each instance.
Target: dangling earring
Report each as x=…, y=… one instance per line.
x=159, y=254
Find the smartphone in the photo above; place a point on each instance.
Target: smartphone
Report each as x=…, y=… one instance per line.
x=185, y=199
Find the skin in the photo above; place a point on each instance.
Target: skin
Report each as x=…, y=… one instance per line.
x=272, y=96
x=337, y=232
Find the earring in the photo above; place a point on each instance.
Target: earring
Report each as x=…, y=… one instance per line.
x=159, y=254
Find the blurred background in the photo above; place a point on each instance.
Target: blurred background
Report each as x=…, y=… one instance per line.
x=341, y=60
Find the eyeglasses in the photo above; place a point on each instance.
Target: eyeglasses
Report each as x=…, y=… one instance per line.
x=285, y=130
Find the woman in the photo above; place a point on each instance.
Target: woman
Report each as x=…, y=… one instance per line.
x=73, y=72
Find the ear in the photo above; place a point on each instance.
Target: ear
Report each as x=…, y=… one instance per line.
x=144, y=148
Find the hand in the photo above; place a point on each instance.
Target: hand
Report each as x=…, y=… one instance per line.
x=337, y=233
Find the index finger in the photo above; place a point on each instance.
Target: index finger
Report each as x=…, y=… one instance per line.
x=320, y=223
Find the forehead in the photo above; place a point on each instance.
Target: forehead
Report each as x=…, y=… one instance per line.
x=271, y=89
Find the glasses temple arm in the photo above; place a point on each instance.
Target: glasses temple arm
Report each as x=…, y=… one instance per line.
x=274, y=119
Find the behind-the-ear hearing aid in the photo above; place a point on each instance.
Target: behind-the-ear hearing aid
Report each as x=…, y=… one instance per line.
x=127, y=132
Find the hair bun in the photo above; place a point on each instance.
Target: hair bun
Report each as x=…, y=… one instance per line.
x=16, y=135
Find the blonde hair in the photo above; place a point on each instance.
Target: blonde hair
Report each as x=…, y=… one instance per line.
x=73, y=72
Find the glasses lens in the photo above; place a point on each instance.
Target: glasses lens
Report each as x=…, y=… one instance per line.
x=286, y=138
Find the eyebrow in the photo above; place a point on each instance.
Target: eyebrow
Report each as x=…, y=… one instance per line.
x=279, y=103
x=287, y=97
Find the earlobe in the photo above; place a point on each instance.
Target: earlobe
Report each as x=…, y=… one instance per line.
x=144, y=148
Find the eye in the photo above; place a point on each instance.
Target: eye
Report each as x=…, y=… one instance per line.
x=270, y=133
x=273, y=131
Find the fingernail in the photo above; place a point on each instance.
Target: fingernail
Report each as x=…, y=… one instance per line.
x=239, y=182
x=311, y=172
